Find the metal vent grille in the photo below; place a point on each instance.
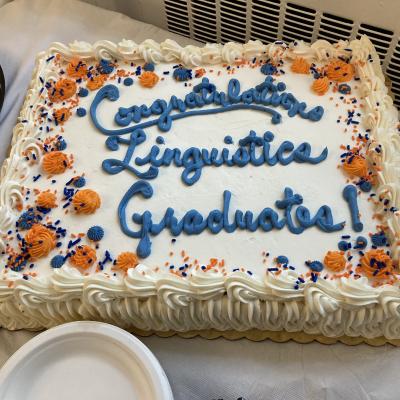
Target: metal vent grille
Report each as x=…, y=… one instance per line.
x=233, y=20
x=393, y=72
x=265, y=20
x=381, y=38
x=204, y=20
x=269, y=20
x=334, y=28
x=177, y=16
x=299, y=23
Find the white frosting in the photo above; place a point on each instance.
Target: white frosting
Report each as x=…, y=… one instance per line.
x=147, y=299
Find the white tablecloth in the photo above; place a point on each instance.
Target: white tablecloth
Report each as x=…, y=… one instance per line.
x=197, y=368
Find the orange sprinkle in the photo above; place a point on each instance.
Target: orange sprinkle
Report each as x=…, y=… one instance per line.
x=86, y=201
x=148, y=79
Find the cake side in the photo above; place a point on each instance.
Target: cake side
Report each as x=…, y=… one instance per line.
x=148, y=299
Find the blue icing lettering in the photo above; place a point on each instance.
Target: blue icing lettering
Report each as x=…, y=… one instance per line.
x=205, y=93
x=350, y=195
x=252, y=149
x=193, y=223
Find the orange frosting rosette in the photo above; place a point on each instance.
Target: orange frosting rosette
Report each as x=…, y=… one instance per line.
x=55, y=162
x=40, y=241
x=96, y=82
x=376, y=264
x=126, y=260
x=76, y=68
x=148, y=79
x=340, y=71
x=300, y=66
x=356, y=165
x=84, y=257
x=46, y=200
x=335, y=261
x=62, y=90
x=320, y=86
x=86, y=201
x=61, y=115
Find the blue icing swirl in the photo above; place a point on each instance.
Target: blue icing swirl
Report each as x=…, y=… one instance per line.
x=344, y=246
x=83, y=92
x=79, y=182
x=27, y=219
x=128, y=81
x=361, y=243
x=105, y=67
x=148, y=67
x=80, y=112
x=182, y=74
x=57, y=261
x=268, y=69
x=61, y=144
x=95, y=233
x=379, y=239
x=315, y=266
x=282, y=260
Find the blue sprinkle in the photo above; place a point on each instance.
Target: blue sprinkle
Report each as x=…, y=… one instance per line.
x=160, y=140
x=128, y=82
x=80, y=182
x=282, y=260
x=80, y=112
x=83, y=92
x=184, y=274
x=273, y=269
x=148, y=67
x=228, y=139
x=57, y=261
x=105, y=67
x=95, y=233
x=182, y=74
x=27, y=220
x=315, y=266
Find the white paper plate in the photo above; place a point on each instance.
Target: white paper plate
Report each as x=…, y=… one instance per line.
x=84, y=360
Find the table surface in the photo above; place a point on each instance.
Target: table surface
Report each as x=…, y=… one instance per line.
x=198, y=369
